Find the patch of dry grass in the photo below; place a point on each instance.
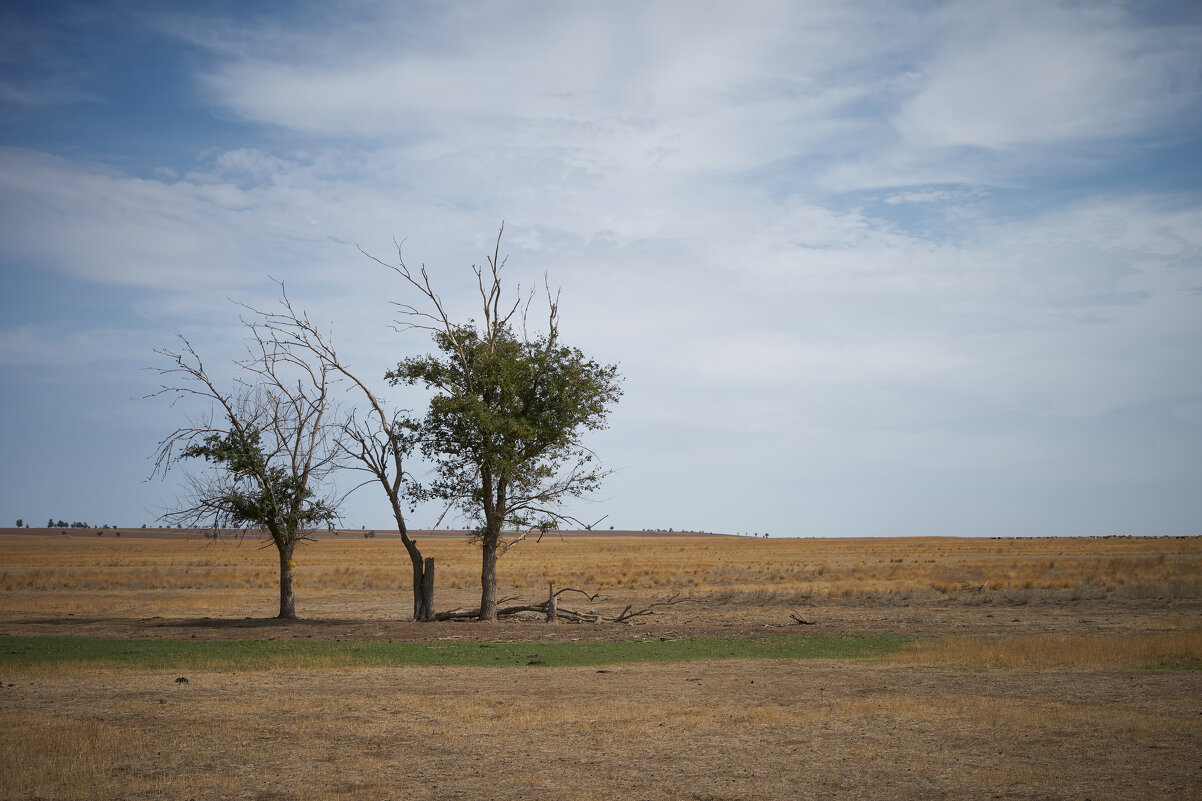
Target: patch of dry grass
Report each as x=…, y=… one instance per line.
x=1055, y=652
x=732, y=730
x=54, y=756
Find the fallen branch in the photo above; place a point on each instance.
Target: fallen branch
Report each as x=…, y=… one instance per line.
x=560, y=612
x=627, y=613
x=571, y=615
x=457, y=614
x=592, y=597
x=801, y=621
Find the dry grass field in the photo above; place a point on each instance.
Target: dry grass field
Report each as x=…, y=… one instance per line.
x=357, y=577
x=1033, y=675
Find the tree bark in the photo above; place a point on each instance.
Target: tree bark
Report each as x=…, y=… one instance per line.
x=423, y=585
x=488, y=581
x=552, y=605
x=427, y=598
x=287, y=598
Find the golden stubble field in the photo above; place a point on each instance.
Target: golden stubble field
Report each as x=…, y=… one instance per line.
x=1030, y=680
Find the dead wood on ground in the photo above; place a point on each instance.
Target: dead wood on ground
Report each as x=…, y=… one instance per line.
x=555, y=612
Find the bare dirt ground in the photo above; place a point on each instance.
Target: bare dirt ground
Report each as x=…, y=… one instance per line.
x=700, y=730
x=721, y=729
x=704, y=617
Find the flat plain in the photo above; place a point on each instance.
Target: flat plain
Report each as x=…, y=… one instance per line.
x=1031, y=668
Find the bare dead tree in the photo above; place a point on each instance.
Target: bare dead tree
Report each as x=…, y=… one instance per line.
x=268, y=442
x=378, y=442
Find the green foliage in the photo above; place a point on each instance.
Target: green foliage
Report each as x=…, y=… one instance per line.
x=503, y=426
x=261, y=492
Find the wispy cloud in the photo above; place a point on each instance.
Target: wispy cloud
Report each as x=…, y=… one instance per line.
x=1014, y=74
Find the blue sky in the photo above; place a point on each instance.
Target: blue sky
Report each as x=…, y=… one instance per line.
x=867, y=269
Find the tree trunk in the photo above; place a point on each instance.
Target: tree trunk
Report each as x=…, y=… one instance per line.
x=419, y=586
x=427, y=605
x=423, y=584
x=287, y=599
x=552, y=606
x=488, y=581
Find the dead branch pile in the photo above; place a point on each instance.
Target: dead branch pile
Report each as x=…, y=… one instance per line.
x=554, y=612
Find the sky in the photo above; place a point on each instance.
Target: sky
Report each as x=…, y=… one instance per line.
x=867, y=269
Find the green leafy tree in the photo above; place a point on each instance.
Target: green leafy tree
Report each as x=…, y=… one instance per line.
x=503, y=428
x=268, y=445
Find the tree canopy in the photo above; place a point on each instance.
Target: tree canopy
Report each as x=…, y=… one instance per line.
x=269, y=441
x=504, y=426
x=503, y=429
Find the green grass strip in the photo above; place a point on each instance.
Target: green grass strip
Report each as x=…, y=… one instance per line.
x=262, y=654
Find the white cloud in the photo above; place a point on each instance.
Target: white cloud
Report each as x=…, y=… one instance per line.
x=925, y=196
x=650, y=99
x=568, y=64
x=612, y=93
x=1020, y=73
x=784, y=297
x=98, y=224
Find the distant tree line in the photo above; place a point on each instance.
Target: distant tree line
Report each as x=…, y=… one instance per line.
x=684, y=531
x=52, y=523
